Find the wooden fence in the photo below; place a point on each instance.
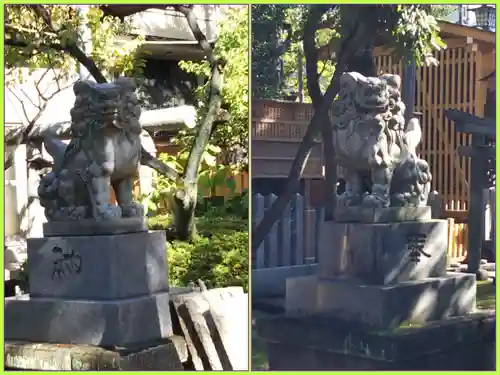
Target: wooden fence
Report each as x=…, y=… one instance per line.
x=454, y=83
x=292, y=241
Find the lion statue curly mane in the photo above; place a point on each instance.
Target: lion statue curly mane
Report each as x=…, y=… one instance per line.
x=375, y=146
x=104, y=152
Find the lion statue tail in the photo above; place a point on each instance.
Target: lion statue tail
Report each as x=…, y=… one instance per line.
x=413, y=134
x=56, y=148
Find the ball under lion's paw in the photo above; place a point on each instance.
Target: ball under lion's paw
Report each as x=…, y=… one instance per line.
x=108, y=212
x=375, y=201
x=133, y=209
x=348, y=199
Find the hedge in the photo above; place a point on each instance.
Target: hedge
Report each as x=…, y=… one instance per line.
x=219, y=256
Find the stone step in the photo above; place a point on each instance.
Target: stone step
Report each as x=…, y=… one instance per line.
x=165, y=355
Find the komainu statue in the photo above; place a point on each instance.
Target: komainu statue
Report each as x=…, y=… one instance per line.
x=375, y=146
x=104, y=152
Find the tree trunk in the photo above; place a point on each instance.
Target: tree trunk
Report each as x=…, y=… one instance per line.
x=311, y=26
x=348, y=50
x=185, y=198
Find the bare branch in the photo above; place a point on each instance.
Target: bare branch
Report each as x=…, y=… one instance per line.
x=27, y=97
x=187, y=11
x=37, y=83
x=25, y=133
x=23, y=107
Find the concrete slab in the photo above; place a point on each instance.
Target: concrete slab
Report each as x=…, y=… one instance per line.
x=384, y=306
x=321, y=343
x=104, y=323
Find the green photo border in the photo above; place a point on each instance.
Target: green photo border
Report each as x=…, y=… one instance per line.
x=451, y=2
x=249, y=146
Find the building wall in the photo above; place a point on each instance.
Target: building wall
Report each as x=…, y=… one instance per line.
x=58, y=107
x=173, y=25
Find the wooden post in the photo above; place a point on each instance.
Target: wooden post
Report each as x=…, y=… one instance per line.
x=479, y=152
x=300, y=74
x=476, y=208
x=408, y=94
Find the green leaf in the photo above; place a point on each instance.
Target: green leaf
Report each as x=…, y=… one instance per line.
x=231, y=185
x=219, y=177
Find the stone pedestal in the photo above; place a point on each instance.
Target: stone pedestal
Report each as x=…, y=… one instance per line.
x=383, y=275
x=108, y=290
x=383, y=253
x=321, y=343
x=384, y=306
x=374, y=278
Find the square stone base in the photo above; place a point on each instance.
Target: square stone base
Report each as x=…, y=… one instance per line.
x=103, y=323
x=383, y=253
x=384, y=306
x=105, y=267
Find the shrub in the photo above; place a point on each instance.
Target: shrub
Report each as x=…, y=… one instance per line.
x=206, y=225
x=219, y=256
x=236, y=205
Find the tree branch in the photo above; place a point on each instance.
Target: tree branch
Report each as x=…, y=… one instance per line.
x=349, y=48
x=72, y=49
x=23, y=137
x=215, y=99
x=76, y=53
x=187, y=11
x=311, y=53
x=186, y=198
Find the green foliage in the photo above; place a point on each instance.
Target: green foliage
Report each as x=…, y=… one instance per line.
x=231, y=46
x=114, y=55
x=220, y=206
x=416, y=35
x=296, y=16
x=441, y=12
x=33, y=39
x=34, y=44
x=411, y=29
x=211, y=175
x=219, y=256
x=225, y=155
x=267, y=27
x=208, y=224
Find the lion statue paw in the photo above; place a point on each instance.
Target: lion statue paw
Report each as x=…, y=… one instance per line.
x=133, y=209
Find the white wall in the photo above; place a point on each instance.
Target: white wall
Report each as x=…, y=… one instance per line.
x=173, y=25
x=16, y=193
x=57, y=108
x=468, y=16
